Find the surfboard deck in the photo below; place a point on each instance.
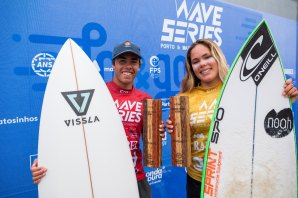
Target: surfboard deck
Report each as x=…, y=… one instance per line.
x=251, y=148
x=82, y=141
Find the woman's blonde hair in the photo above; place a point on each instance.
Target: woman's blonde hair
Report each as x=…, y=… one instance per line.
x=190, y=79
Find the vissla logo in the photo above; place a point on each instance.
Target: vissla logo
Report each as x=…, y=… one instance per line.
x=79, y=101
x=279, y=125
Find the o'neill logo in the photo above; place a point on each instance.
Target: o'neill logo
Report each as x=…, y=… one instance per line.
x=250, y=64
x=257, y=62
x=79, y=101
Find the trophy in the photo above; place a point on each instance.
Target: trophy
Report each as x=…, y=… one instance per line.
x=180, y=138
x=151, y=135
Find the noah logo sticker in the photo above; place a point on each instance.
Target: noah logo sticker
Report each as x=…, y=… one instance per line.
x=79, y=101
x=280, y=124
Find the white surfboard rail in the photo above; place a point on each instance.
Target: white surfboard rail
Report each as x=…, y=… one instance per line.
x=82, y=142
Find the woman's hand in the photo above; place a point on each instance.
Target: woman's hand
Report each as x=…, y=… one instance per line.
x=37, y=172
x=163, y=127
x=290, y=90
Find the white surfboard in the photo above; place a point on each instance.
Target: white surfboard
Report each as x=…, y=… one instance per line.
x=96, y=65
x=252, y=147
x=82, y=142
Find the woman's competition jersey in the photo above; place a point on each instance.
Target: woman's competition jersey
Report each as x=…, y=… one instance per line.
x=201, y=107
x=130, y=107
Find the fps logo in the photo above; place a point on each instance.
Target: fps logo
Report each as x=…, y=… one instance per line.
x=280, y=124
x=154, y=69
x=42, y=64
x=79, y=101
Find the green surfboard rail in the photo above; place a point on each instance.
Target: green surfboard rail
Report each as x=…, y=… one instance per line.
x=263, y=22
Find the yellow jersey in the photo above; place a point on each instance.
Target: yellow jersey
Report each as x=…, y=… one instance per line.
x=202, y=102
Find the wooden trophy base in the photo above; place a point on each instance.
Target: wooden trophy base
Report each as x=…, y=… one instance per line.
x=180, y=138
x=151, y=135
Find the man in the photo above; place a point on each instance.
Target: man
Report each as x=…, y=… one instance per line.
x=126, y=63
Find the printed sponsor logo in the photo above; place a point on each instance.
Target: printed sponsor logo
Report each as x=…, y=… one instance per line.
x=123, y=91
x=279, y=125
x=132, y=132
x=199, y=135
x=154, y=70
x=108, y=69
x=87, y=41
x=155, y=176
x=81, y=120
x=194, y=19
x=42, y=64
x=165, y=104
x=129, y=111
x=205, y=112
x=133, y=146
x=259, y=57
x=79, y=101
x=251, y=64
x=213, y=170
x=198, y=145
x=216, y=130
x=198, y=163
x=18, y=120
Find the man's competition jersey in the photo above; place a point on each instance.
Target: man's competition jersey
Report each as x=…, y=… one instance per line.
x=130, y=107
x=201, y=107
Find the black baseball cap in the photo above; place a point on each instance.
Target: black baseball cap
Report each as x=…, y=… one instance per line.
x=124, y=47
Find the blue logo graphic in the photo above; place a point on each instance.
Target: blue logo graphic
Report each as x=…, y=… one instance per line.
x=154, y=70
x=79, y=101
x=42, y=64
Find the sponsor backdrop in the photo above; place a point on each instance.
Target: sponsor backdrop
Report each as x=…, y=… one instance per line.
x=32, y=33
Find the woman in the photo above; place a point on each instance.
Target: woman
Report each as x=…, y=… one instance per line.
x=206, y=70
